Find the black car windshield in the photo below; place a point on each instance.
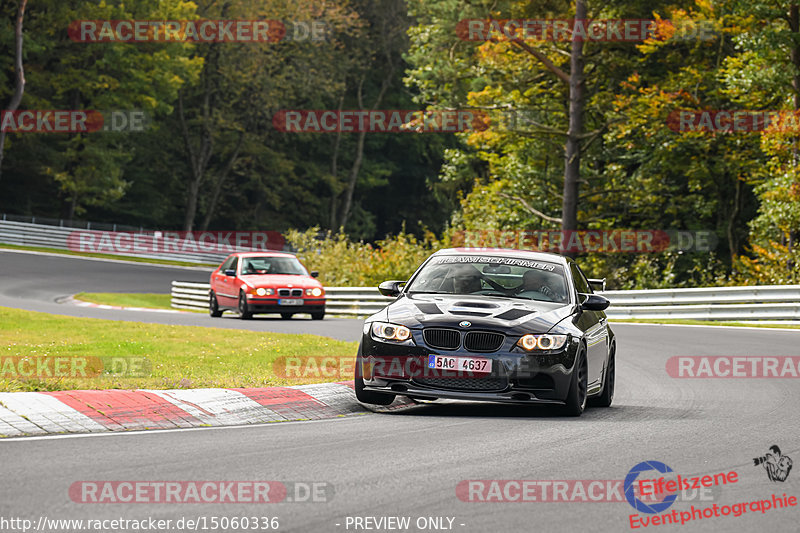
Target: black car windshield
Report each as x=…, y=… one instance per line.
x=272, y=265
x=492, y=276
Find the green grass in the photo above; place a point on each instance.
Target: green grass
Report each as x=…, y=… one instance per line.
x=130, y=258
x=176, y=356
x=706, y=323
x=149, y=300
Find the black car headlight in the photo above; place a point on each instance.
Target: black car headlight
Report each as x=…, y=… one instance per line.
x=542, y=343
x=384, y=331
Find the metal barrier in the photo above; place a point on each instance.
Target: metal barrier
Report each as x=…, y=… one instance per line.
x=27, y=234
x=742, y=304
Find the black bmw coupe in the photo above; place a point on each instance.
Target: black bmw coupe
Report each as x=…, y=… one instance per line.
x=490, y=325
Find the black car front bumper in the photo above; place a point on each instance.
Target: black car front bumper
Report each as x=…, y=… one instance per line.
x=517, y=376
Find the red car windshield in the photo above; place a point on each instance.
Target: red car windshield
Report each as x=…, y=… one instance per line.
x=272, y=265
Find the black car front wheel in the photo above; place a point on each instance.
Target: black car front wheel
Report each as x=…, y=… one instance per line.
x=370, y=397
x=318, y=316
x=576, y=397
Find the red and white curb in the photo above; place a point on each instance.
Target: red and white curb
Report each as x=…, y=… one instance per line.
x=96, y=411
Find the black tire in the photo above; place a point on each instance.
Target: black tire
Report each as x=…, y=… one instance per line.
x=368, y=397
x=576, y=397
x=286, y=316
x=318, y=315
x=213, y=306
x=244, y=312
x=607, y=396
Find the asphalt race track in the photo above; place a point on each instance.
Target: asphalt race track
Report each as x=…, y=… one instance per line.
x=35, y=281
x=409, y=462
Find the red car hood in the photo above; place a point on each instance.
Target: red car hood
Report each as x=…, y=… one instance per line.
x=280, y=280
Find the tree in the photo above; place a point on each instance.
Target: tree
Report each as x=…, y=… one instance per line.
x=19, y=79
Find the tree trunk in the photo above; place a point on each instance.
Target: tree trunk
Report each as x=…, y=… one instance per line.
x=351, y=185
x=335, y=173
x=572, y=153
x=19, y=88
x=198, y=159
x=220, y=181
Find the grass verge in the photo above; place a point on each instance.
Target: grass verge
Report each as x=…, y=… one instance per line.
x=129, y=258
x=148, y=300
x=175, y=356
x=707, y=323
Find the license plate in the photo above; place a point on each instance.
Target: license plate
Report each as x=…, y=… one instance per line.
x=290, y=301
x=477, y=365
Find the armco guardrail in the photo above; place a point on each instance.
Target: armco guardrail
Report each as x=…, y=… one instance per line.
x=28, y=234
x=742, y=304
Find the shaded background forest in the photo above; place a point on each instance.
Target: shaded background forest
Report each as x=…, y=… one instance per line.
x=211, y=158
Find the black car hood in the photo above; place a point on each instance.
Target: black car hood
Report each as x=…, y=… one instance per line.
x=512, y=315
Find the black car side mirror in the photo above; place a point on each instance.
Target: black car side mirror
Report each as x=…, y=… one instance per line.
x=390, y=288
x=314, y=274
x=230, y=272
x=594, y=302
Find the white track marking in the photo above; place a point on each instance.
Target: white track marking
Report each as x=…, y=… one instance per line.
x=219, y=407
x=48, y=413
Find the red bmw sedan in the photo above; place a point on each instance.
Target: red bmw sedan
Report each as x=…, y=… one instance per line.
x=265, y=282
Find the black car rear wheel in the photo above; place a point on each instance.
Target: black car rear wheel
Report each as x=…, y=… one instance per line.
x=286, y=316
x=607, y=396
x=364, y=396
x=213, y=306
x=576, y=397
x=244, y=312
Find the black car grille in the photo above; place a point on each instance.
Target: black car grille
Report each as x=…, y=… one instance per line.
x=466, y=383
x=290, y=292
x=483, y=341
x=444, y=339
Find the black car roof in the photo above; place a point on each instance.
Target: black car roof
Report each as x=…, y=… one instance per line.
x=506, y=252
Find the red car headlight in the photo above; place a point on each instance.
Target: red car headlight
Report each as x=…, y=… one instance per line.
x=316, y=291
x=263, y=291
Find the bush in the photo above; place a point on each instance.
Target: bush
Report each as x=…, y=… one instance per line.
x=344, y=263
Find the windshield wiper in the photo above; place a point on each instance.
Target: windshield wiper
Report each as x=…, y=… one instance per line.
x=429, y=292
